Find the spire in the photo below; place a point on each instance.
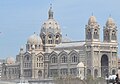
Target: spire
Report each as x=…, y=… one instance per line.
x=50, y=12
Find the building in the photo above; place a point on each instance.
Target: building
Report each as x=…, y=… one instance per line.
x=1, y=62
x=51, y=55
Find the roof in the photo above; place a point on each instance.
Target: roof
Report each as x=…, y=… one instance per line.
x=70, y=44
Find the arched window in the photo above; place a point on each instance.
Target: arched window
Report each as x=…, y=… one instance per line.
x=88, y=34
x=35, y=46
x=88, y=72
x=113, y=72
x=96, y=35
x=50, y=39
x=39, y=73
x=57, y=39
x=95, y=73
x=39, y=58
x=43, y=39
x=106, y=36
x=74, y=58
x=64, y=59
x=113, y=35
x=54, y=59
x=27, y=58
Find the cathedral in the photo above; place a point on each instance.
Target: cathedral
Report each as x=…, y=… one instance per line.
x=49, y=55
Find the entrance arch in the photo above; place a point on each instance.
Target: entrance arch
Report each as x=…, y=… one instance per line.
x=104, y=65
x=39, y=74
x=95, y=73
x=88, y=72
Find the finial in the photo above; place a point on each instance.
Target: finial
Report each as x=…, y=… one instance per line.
x=50, y=13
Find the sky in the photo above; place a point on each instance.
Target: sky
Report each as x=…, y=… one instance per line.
x=19, y=19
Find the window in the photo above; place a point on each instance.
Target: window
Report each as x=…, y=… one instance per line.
x=37, y=64
x=39, y=73
x=88, y=34
x=63, y=59
x=96, y=35
x=74, y=58
x=39, y=58
x=64, y=71
x=57, y=39
x=35, y=46
x=106, y=36
x=27, y=58
x=50, y=41
x=113, y=35
x=54, y=59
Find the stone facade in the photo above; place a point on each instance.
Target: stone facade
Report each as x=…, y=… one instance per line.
x=49, y=55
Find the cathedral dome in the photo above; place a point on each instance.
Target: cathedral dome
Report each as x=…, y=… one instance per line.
x=34, y=39
x=110, y=21
x=92, y=19
x=50, y=32
x=10, y=60
x=50, y=25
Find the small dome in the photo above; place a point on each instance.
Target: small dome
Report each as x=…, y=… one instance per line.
x=66, y=39
x=80, y=64
x=110, y=21
x=92, y=19
x=34, y=39
x=10, y=60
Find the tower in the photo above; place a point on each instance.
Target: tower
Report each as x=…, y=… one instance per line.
x=110, y=38
x=110, y=31
x=50, y=32
x=92, y=30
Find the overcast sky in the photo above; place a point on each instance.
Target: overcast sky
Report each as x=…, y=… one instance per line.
x=21, y=18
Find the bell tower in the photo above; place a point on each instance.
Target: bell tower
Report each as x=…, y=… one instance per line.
x=92, y=30
x=110, y=31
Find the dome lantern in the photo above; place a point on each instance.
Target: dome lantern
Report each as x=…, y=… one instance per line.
x=50, y=12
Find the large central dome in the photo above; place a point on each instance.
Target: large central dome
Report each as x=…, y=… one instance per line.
x=50, y=31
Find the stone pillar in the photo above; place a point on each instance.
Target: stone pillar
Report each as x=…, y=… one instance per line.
x=21, y=63
x=33, y=62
